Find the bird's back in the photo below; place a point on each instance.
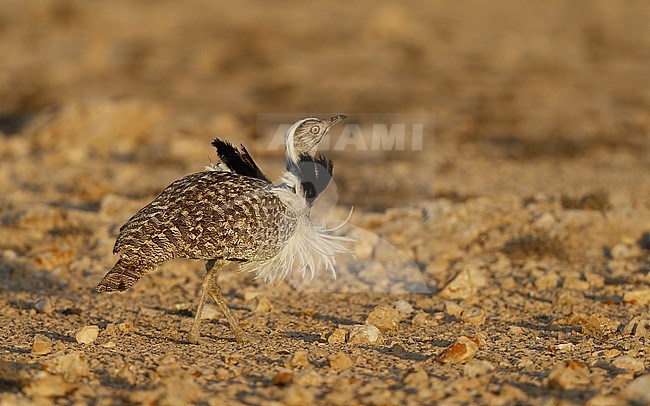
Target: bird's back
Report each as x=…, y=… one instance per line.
x=205, y=215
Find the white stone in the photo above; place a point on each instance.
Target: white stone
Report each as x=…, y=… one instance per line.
x=364, y=334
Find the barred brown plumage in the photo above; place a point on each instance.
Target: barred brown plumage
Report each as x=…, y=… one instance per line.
x=204, y=215
x=232, y=212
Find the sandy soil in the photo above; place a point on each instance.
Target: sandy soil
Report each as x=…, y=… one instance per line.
x=506, y=262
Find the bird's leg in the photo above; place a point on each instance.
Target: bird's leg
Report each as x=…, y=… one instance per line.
x=215, y=293
x=208, y=280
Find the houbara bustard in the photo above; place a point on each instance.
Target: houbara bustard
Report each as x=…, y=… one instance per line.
x=232, y=212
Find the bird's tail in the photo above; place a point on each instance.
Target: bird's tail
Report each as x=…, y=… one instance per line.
x=122, y=276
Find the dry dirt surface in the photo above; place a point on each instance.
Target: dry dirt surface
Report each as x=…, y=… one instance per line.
x=507, y=262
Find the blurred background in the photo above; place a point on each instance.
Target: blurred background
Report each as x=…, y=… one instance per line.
x=528, y=97
x=530, y=193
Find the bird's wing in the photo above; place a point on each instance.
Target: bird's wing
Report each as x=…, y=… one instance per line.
x=238, y=161
x=208, y=215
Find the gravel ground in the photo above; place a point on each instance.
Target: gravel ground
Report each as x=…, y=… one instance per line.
x=506, y=262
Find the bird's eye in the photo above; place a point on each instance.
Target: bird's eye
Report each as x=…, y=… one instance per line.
x=314, y=129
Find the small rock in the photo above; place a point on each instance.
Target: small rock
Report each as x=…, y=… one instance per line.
x=476, y=367
x=298, y=396
x=48, y=386
x=414, y=379
x=627, y=363
x=612, y=352
x=210, y=312
x=564, y=347
x=638, y=390
x=340, y=360
x=453, y=309
x=384, y=317
x=60, y=346
x=639, y=296
x=42, y=345
x=638, y=327
x=365, y=334
x=474, y=317
x=250, y=294
x=621, y=251
x=283, y=378
x=571, y=319
x=299, y=359
x=404, y=307
x=465, y=284
x=44, y=305
x=86, y=334
x=337, y=336
x=178, y=389
x=462, y=350
x=263, y=305
x=118, y=329
x=422, y=318
x=308, y=378
x=510, y=395
x=70, y=366
x=569, y=375
x=598, y=326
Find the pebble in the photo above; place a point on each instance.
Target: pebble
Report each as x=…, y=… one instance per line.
x=283, y=378
x=465, y=284
x=337, y=336
x=299, y=359
x=476, y=367
x=340, y=361
x=639, y=296
x=599, y=326
x=70, y=366
x=298, y=396
x=627, y=363
x=415, y=379
x=46, y=385
x=365, y=334
x=404, y=307
x=462, y=350
x=42, y=345
x=365, y=243
x=638, y=390
x=119, y=329
x=87, y=334
x=264, y=305
x=384, y=317
x=475, y=317
x=637, y=327
x=308, y=378
x=453, y=309
x=569, y=375
x=250, y=294
x=44, y=305
x=423, y=318
x=210, y=312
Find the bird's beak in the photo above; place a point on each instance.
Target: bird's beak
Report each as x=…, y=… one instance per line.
x=337, y=119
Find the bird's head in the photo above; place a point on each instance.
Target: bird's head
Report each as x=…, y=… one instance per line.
x=304, y=136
